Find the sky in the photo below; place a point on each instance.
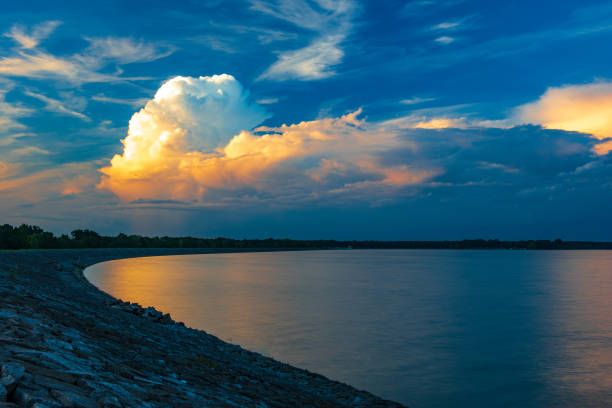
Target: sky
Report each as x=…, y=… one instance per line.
x=308, y=119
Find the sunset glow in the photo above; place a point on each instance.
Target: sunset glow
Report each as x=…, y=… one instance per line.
x=580, y=108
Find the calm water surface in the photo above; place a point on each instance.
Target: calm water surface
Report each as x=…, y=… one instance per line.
x=427, y=328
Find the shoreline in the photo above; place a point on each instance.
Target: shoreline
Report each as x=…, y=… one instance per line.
x=72, y=345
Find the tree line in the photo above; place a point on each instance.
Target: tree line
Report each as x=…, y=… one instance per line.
x=33, y=237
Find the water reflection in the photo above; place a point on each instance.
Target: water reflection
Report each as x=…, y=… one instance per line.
x=582, y=311
x=428, y=328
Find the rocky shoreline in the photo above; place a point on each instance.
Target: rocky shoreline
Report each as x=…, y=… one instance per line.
x=64, y=343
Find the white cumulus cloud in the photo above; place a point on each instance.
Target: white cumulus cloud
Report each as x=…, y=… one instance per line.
x=195, y=139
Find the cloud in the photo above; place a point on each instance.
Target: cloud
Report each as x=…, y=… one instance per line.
x=10, y=128
x=186, y=115
x=434, y=118
x=41, y=65
x=268, y=101
x=20, y=188
x=124, y=50
x=11, y=111
x=62, y=107
x=454, y=25
x=195, y=147
x=442, y=123
x=309, y=63
x=263, y=35
x=29, y=61
x=194, y=141
x=332, y=23
x=138, y=102
x=416, y=100
x=585, y=108
x=29, y=151
x=175, y=150
x=447, y=25
x=517, y=156
x=581, y=108
x=444, y=40
x=302, y=13
x=38, y=33
x=6, y=170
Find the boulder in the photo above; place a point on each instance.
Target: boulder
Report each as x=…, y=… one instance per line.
x=110, y=401
x=72, y=400
x=12, y=369
x=24, y=397
x=10, y=374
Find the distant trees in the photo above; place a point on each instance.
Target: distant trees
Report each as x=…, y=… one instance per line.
x=33, y=237
x=25, y=236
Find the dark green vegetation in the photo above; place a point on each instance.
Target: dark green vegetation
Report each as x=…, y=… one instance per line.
x=33, y=237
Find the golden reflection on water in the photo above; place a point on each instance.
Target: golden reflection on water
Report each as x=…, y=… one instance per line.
x=225, y=304
x=583, y=310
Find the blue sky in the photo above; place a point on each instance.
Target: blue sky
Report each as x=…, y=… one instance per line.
x=334, y=119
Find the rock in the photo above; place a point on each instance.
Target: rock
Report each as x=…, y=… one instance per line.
x=166, y=319
x=71, y=400
x=110, y=401
x=80, y=351
x=152, y=314
x=24, y=398
x=9, y=383
x=14, y=370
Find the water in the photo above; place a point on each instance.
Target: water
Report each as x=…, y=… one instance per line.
x=429, y=328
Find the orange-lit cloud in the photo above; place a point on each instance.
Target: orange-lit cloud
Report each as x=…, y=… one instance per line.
x=195, y=137
x=433, y=119
x=196, y=141
x=575, y=108
x=581, y=108
x=441, y=123
x=68, y=179
x=6, y=170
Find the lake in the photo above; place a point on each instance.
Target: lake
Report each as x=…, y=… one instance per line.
x=428, y=328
